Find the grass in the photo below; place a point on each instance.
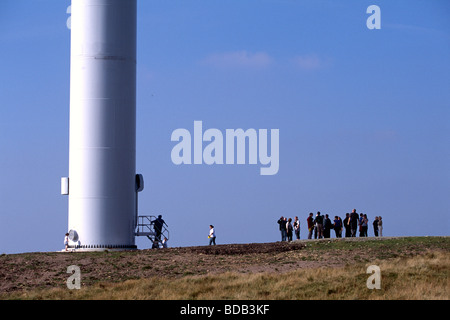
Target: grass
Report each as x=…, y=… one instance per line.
x=420, y=277
x=411, y=268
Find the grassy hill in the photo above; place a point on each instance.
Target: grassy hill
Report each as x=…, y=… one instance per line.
x=411, y=268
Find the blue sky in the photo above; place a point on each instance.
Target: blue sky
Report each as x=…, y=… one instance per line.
x=363, y=115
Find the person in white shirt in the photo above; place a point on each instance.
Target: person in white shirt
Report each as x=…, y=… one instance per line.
x=212, y=235
x=164, y=242
x=297, y=228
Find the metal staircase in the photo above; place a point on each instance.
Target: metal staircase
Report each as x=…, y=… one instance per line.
x=146, y=227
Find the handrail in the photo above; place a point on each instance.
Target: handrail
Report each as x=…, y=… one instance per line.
x=146, y=227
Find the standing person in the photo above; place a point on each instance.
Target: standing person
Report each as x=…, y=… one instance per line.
x=380, y=226
x=365, y=225
x=310, y=221
x=375, y=227
x=337, y=226
x=289, y=229
x=319, y=222
x=353, y=222
x=158, y=226
x=212, y=235
x=282, y=223
x=297, y=228
x=66, y=241
x=164, y=242
x=327, y=226
x=361, y=217
x=315, y=227
x=348, y=230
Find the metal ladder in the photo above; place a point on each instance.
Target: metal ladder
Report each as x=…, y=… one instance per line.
x=147, y=228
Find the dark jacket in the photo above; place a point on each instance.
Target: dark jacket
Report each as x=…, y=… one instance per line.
x=282, y=224
x=327, y=225
x=319, y=219
x=354, y=219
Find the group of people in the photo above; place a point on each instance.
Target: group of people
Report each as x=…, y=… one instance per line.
x=288, y=228
x=320, y=226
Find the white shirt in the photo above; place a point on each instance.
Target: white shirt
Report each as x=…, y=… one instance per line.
x=212, y=233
